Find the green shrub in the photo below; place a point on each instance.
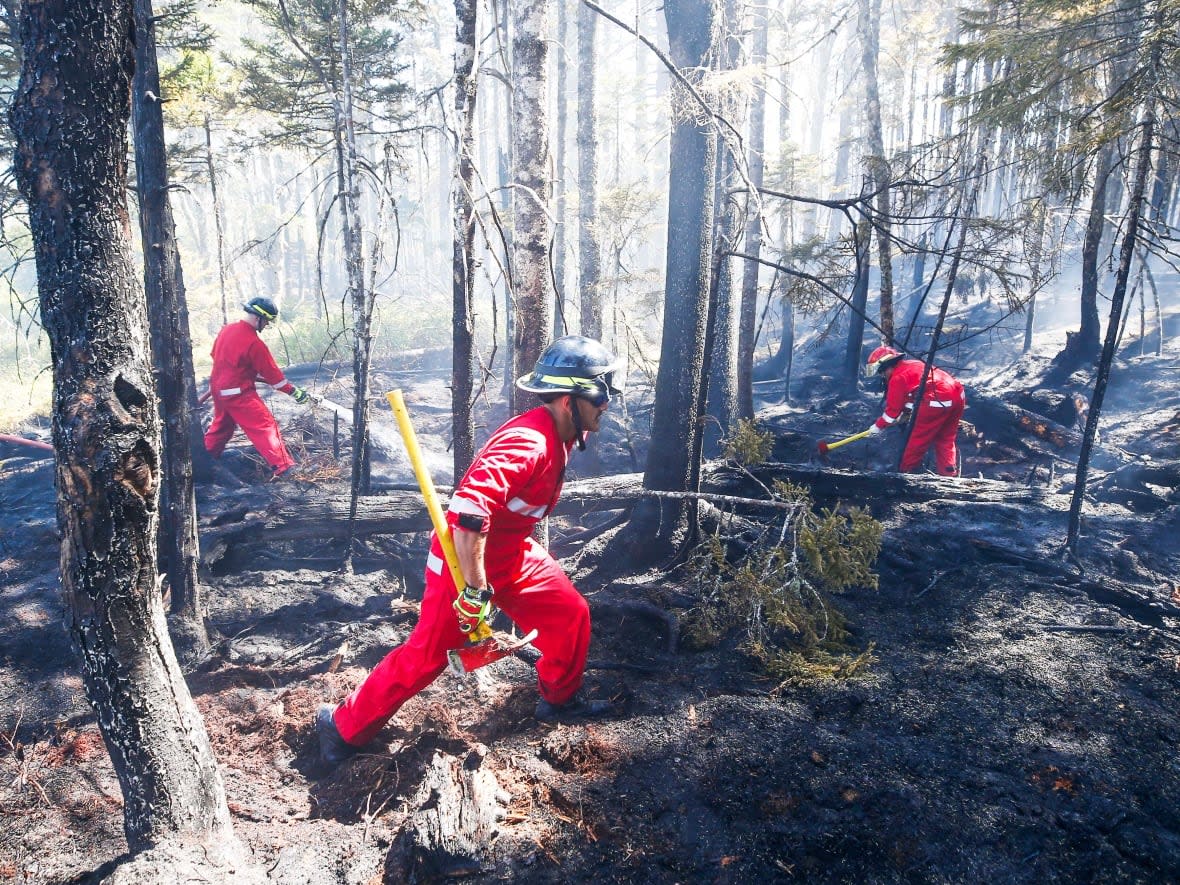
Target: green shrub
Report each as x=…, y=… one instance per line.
x=777, y=588
x=748, y=445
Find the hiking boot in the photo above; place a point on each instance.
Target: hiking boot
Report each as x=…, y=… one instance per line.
x=333, y=748
x=577, y=707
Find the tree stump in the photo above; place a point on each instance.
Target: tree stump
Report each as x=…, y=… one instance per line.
x=449, y=835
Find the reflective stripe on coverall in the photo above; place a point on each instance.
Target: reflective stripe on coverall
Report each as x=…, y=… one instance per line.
x=239, y=358
x=938, y=419
x=511, y=485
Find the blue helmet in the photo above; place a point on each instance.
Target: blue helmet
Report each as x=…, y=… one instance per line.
x=574, y=364
x=262, y=307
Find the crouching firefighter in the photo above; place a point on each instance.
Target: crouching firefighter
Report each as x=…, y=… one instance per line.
x=512, y=484
x=937, y=420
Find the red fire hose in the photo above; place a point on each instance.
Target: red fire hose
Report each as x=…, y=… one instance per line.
x=22, y=441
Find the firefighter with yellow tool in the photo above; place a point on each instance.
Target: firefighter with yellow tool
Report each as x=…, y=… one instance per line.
x=937, y=421
x=513, y=483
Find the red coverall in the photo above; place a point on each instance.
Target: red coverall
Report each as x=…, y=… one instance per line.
x=938, y=418
x=239, y=358
x=511, y=485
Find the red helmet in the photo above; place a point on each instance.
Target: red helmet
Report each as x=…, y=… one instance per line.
x=881, y=358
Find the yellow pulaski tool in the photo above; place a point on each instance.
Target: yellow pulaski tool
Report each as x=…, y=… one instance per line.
x=485, y=646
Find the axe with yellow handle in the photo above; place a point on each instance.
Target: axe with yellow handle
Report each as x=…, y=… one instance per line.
x=825, y=447
x=430, y=496
x=486, y=647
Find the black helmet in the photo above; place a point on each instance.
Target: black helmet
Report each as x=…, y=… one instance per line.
x=577, y=365
x=262, y=307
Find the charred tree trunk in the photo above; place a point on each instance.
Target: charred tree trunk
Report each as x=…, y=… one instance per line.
x=361, y=298
x=788, y=343
x=869, y=25
x=531, y=190
x=589, y=247
x=670, y=464
x=1126, y=257
x=70, y=118
x=211, y=171
x=463, y=246
x=857, y=306
x=1037, y=276
x=452, y=823
x=722, y=406
x=172, y=347
x=753, y=246
x=1083, y=347
x=560, y=308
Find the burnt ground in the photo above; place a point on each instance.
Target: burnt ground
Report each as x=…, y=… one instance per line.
x=1018, y=722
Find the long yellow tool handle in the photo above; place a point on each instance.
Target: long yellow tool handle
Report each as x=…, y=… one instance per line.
x=845, y=442
x=430, y=496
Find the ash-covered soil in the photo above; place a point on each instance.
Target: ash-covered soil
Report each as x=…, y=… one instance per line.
x=1018, y=722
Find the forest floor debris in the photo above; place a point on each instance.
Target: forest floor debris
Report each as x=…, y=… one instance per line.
x=1018, y=724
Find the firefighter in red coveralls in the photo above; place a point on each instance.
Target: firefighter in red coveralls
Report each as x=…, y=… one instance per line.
x=239, y=359
x=937, y=422
x=512, y=484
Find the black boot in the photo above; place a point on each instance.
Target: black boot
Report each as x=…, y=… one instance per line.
x=577, y=707
x=333, y=748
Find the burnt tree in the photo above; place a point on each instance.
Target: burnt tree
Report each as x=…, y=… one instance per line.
x=172, y=350
x=589, y=247
x=463, y=238
x=748, y=306
x=671, y=464
x=531, y=189
x=69, y=116
x=1143, y=156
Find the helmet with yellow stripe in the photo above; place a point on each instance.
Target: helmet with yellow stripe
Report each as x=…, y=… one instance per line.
x=262, y=307
x=574, y=364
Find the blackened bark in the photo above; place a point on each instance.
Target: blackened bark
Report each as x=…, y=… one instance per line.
x=531, y=190
x=722, y=339
x=560, y=308
x=211, y=171
x=869, y=25
x=70, y=118
x=676, y=414
x=359, y=296
x=589, y=248
x=753, y=246
x=856, y=314
x=1126, y=256
x=1084, y=347
x=463, y=257
x=172, y=348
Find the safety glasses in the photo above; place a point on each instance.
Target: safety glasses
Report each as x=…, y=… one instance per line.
x=598, y=395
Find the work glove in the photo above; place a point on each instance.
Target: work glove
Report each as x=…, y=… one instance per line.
x=873, y=430
x=473, y=607
x=300, y=395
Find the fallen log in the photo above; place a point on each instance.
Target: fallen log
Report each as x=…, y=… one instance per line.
x=850, y=487
x=1135, y=605
x=457, y=809
x=1140, y=475
x=309, y=518
x=1006, y=424
x=1132, y=486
